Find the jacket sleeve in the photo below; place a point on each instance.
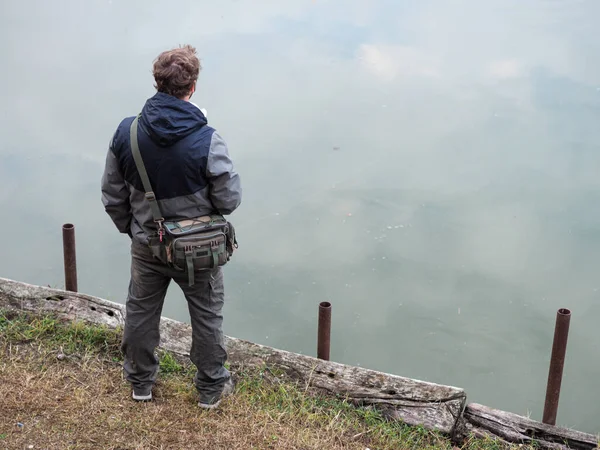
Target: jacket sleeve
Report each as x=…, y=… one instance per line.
x=224, y=181
x=115, y=194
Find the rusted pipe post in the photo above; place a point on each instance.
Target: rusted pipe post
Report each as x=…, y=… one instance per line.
x=69, y=256
x=324, y=334
x=557, y=362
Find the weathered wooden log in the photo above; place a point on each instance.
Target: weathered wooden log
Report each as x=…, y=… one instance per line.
x=434, y=406
x=518, y=429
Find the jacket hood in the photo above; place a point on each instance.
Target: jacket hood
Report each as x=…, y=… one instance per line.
x=168, y=119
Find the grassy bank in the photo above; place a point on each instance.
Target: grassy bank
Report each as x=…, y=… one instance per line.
x=61, y=387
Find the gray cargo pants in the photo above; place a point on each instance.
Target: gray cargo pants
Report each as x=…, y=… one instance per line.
x=150, y=279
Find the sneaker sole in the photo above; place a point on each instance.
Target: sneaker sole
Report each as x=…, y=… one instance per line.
x=207, y=406
x=142, y=398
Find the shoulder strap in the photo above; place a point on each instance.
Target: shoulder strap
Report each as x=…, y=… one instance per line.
x=139, y=162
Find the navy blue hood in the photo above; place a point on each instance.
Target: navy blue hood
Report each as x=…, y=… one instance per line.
x=168, y=119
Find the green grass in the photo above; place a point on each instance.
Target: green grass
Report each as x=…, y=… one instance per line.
x=74, y=337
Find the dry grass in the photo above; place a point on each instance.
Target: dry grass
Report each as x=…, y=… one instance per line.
x=80, y=401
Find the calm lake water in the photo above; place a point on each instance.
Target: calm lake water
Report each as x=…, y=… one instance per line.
x=432, y=168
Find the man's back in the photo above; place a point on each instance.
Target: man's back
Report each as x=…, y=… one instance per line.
x=188, y=165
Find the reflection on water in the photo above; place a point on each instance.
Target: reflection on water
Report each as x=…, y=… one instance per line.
x=431, y=168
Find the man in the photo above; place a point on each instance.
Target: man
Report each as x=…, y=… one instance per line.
x=191, y=173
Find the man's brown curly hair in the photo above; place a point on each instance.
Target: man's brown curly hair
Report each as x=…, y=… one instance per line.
x=176, y=71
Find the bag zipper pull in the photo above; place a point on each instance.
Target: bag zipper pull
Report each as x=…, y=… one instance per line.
x=161, y=230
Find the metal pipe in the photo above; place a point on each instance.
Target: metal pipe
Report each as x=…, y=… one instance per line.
x=557, y=362
x=70, y=259
x=324, y=333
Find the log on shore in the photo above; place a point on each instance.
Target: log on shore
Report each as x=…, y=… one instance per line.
x=435, y=407
x=484, y=421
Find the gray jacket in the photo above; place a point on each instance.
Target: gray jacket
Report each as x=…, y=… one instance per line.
x=188, y=165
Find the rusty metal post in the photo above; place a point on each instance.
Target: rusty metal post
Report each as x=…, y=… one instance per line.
x=324, y=333
x=69, y=257
x=557, y=362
